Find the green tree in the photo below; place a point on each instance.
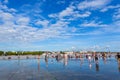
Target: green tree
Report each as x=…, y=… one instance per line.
x=1, y=52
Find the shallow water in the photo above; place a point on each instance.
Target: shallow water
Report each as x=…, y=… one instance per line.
x=65, y=69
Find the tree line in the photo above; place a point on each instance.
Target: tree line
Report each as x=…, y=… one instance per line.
x=21, y=53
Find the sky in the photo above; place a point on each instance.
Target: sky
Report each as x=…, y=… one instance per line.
x=55, y=25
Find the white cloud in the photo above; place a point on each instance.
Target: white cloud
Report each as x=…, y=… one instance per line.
x=18, y=28
x=70, y=13
x=21, y=28
x=5, y=16
x=5, y=8
x=93, y=24
x=75, y=11
x=92, y=4
x=86, y=14
x=43, y=23
x=116, y=15
x=109, y=7
x=23, y=20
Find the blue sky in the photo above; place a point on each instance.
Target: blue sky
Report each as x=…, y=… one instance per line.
x=56, y=25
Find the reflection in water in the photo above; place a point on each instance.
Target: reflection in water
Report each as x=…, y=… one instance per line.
x=58, y=58
x=96, y=62
x=56, y=70
x=96, y=59
x=89, y=60
x=119, y=64
x=38, y=64
x=90, y=65
x=104, y=59
x=65, y=59
x=18, y=61
x=81, y=61
x=97, y=66
x=46, y=60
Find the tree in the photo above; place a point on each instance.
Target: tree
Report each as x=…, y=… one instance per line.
x=1, y=52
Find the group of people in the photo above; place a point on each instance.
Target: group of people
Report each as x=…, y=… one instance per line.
x=94, y=57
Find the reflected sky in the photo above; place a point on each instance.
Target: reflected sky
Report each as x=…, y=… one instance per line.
x=60, y=69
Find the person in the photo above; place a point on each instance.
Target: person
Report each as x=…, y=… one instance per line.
x=118, y=55
x=119, y=65
x=89, y=58
x=104, y=55
x=96, y=62
x=46, y=57
x=96, y=58
x=118, y=59
x=86, y=56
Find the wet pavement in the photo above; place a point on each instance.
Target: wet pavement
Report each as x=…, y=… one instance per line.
x=64, y=69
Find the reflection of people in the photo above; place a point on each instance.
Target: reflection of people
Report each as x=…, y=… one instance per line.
x=90, y=65
x=65, y=59
x=119, y=64
x=38, y=64
x=97, y=66
x=46, y=60
x=58, y=57
x=104, y=59
x=81, y=61
x=38, y=56
x=109, y=55
x=96, y=62
x=89, y=59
